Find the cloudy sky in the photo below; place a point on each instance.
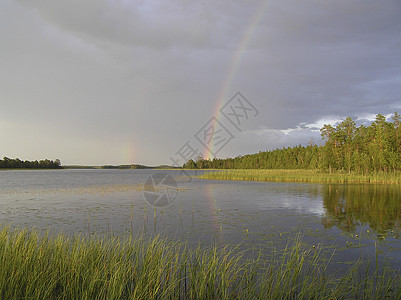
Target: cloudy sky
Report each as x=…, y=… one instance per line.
x=117, y=81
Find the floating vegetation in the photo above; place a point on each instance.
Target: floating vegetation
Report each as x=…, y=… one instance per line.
x=93, y=189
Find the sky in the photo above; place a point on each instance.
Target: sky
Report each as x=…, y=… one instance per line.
x=99, y=82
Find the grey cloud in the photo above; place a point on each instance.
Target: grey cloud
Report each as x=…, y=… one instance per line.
x=153, y=72
x=149, y=24
x=329, y=58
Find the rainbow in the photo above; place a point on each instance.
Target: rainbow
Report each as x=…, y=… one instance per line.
x=128, y=152
x=235, y=62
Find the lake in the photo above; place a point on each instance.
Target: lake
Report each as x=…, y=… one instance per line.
x=350, y=220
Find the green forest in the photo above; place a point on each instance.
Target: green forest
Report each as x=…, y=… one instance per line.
x=9, y=163
x=346, y=147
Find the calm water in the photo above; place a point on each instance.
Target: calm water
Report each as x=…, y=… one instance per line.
x=352, y=220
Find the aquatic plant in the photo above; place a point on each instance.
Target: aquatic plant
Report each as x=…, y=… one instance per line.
x=313, y=176
x=54, y=267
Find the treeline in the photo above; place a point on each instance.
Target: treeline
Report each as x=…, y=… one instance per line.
x=376, y=147
x=9, y=163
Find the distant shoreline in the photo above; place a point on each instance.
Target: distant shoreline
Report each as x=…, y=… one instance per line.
x=107, y=167
x=119, y=167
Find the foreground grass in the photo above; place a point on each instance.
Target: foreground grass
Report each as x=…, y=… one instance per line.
x=315, y=176
x=45, y=267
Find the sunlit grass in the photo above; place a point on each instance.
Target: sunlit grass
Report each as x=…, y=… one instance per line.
x=58, y=267
x=315, y=176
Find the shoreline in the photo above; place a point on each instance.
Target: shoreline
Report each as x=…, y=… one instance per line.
x=302, y=175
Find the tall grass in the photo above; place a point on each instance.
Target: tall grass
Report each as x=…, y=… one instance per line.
x=315, y=176
x=57, y=267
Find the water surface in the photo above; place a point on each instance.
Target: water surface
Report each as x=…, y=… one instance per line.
x=349, y=219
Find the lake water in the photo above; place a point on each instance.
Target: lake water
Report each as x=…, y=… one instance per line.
x=350, y=220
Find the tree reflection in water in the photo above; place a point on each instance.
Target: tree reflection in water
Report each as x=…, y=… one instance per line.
x=351, y=205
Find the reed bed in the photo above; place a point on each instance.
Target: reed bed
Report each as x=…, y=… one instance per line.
x=38, y=266
x=313, y=176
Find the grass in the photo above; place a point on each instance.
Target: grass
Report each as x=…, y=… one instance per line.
x=313, y=176
x=57, y=267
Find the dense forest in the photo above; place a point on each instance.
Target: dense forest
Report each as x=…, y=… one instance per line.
x=8, y=163
x=376, y=147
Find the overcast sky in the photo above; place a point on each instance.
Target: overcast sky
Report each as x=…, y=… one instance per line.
x=117, y=82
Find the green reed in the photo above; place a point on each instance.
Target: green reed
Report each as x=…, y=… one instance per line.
x=315, y=176
x=38, y=266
